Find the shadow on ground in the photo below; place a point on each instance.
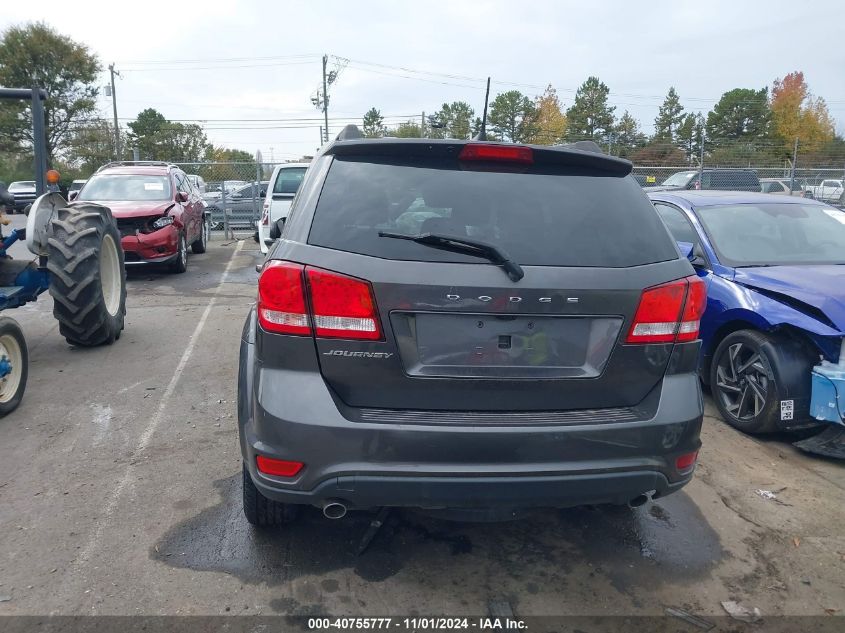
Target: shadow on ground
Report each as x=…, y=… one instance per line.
x=664, y=542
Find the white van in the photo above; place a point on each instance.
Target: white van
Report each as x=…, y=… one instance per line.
x=284, y=183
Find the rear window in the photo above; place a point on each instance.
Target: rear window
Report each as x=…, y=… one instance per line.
x=567, y=218
x=288, y=180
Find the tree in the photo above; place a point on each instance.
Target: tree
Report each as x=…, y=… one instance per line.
x=91, y=145
x=550, y=121
x=590, y=116
x=216, y=171
x=669, y=117
x=408, y=129
x=513, y=116
x=689, y=135
x=373, y=123
x=627, y=136
x=36, y=55
x=147, y=132
x=797, y=114
x=453, y=120
x=159, y=139
x=742, y=114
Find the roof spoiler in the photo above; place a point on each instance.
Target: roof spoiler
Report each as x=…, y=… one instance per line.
x=584, y=146
x=348, y=133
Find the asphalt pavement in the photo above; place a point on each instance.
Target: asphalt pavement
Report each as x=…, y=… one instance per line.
x=120, y=495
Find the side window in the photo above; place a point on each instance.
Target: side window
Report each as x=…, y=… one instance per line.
x=677, y=223
x=182, y=183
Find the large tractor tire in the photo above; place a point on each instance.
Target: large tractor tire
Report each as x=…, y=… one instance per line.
x=87, y=274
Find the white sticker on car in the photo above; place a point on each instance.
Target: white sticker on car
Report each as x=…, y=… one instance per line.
x=836, y=214
x=153, y=186
x=787, y=409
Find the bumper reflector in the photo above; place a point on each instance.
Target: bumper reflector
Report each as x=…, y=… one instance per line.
x=278, y=467
x=685, y=462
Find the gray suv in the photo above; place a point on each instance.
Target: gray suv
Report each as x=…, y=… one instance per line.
x=468, y=325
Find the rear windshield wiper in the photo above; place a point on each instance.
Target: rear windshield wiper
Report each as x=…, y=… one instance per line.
x=475, y=248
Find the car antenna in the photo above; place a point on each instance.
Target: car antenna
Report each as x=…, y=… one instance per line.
x=482, y=133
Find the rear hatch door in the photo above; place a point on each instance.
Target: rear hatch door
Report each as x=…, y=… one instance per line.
x=459, y=334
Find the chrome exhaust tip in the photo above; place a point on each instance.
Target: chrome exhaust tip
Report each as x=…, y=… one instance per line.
x=334, y=509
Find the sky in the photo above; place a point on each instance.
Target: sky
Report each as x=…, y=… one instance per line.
x=248, y=70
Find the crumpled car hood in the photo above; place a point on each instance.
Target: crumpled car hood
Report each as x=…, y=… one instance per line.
x=822, y=287
x=135, y=209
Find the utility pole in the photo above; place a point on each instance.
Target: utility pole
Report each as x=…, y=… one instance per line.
x=422, y=124
x=325, y=98
x=113, y=72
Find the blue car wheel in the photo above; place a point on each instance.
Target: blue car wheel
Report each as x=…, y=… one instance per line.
x=743, y=382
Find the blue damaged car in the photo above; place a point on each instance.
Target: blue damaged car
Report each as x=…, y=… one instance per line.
x=773, y=332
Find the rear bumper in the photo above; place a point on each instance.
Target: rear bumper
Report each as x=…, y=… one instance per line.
x=151, y=248
x=430, y=492
x=291, y=414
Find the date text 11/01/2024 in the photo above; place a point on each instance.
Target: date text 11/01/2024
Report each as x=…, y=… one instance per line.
x=418, y=623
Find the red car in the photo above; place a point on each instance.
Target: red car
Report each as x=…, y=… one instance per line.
x=158, y=210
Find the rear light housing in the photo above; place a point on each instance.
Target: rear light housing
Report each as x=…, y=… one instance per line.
x=281, y=299
x=497, y=153
x=278, y=467
x=343, y=307
x=686, y=462
x=265, y=216
x=669, y=313
x=299, y=300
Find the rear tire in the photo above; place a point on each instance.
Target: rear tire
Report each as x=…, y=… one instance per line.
x=13, y=351
x=87, y=275
x=180, y=264
x=261, y=511
x=743, y=382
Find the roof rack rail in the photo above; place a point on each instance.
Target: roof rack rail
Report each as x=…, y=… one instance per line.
x=130, y=163
x=348, y=133
x=584, y=146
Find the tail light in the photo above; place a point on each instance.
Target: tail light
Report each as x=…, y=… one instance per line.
x=693, y=310
x=670, y=312
x=281, y=299
x=343, y=306
x=340, y=306
x=497, y=153
x=265, y=217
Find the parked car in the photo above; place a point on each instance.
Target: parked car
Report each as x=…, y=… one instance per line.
x=23, y=191
x=198, y=183
x=286, y=179
x=158, y=211
x=829, y=191
x=781, y=187
x=774, y=269
x=455, y=324
x=76, y=185
x=722, y=179
x=644, y=180
x=214, y=192
x=244, y=202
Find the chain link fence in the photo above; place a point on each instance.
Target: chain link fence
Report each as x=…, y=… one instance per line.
x=234, y=192
x=803, y=170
